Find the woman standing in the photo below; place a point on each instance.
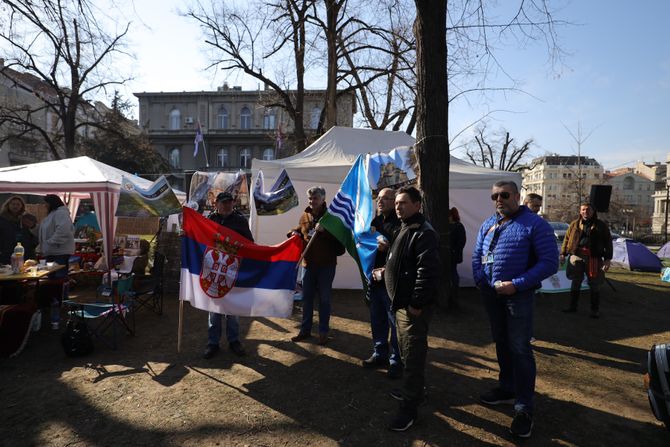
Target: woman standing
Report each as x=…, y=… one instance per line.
x=10, y=226
x=56, y=235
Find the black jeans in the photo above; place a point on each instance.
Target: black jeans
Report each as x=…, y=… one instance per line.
x=413, y=342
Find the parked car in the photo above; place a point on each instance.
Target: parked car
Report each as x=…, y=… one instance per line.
x=560, y=228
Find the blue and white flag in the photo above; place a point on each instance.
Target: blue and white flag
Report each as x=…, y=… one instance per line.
x=350, y=215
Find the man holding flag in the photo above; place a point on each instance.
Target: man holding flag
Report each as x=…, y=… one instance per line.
x=319, y=261
x=226, y=216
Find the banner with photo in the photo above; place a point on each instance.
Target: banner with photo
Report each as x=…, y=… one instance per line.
x=205, y=186
x=281, y=197
x=391, y=170
x=158, y=200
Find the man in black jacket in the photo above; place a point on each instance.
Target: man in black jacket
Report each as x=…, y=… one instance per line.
x=386, y=225
x=226, y=216
x=411, y=277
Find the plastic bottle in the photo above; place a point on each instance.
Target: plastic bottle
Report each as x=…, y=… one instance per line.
x=17, y=258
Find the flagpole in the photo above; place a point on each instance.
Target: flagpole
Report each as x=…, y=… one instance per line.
x=181, y=325
x=309, y=244
x=204, y=146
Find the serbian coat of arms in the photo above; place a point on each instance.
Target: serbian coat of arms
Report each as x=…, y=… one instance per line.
x=219, y=272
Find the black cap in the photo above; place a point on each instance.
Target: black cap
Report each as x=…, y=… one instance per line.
x=224, y=196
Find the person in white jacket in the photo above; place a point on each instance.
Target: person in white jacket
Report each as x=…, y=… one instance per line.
x=56, y=244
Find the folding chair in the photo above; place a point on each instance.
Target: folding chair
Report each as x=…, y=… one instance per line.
x=148, y=290
x=101, y=317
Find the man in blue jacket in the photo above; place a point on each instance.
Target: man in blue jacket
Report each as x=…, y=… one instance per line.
x=515, y=250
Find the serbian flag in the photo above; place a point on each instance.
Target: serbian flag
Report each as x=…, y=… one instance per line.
x=225, y=273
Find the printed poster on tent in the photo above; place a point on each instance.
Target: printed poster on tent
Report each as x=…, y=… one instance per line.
x=391, y=170
x=158, y=200
x=205, y=186
x=281, y=197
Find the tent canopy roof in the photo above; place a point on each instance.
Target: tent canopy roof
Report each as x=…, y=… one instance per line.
x=329, y=159
x=80, y=176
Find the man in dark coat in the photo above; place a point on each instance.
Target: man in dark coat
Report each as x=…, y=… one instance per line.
x=411, y=276
x=228, y=217
x=386, y=225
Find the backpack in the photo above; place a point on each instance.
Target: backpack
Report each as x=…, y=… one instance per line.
x=76, y=339
x=658, y=377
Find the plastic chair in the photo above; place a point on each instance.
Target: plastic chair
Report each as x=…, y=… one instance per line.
x=148, y=290
x=100, y=317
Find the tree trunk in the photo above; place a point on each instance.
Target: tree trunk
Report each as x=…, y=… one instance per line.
x=432, y=142
x=332, y=13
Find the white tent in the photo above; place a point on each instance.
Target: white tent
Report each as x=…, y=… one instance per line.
x=327, y=162
x=75, y=179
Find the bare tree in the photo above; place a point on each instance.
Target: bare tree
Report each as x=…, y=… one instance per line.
x=262, y=37
x=60, y=52
x=497, y=151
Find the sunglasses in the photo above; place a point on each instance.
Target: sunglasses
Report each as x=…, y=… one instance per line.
x=503, y=195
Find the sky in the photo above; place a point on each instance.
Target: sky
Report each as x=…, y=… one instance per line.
x=614, y=82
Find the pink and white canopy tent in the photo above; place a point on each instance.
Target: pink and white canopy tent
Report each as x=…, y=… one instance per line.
x=75, y=179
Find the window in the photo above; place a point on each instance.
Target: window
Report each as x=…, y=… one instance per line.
x=269, y=119
x=175, y=119
x=245, y=158
x=268, y=154
x=245, y=118
x=222, y=118
x=628, y=183
x=175, y=158
x=222, y=158
x=314, y=118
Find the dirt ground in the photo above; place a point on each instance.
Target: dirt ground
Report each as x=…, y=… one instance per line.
x=589, y=387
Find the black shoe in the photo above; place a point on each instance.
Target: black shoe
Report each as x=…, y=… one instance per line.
x=404, y=419
x=395, y=371
x=375, y=361
x=522, y=424
x=301, y=336
x=237, y=349
x=396, y=393
x=210, y=351
x=570, y=310
x=497, y=396
x=594, y=314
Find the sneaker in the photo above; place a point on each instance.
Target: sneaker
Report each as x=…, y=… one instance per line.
x=301, y=336
x=210, y=351
x=522, y=424
x=374, y=361
x=396, y=393
x=404, y=419
x=323, y=339
x=237, y=349
x=497, y=396
x=532, y=340
x=55, y=325
x=395, y=371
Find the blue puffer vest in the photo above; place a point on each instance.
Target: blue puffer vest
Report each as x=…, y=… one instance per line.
x=525, y=253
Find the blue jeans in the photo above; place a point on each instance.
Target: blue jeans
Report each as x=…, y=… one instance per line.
x=317, y=280
x=381, y=319
x=511, y=320
x=57, y=298
x=214, y=330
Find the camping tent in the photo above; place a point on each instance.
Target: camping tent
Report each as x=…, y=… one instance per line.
x=75, y=179
x=664, y=251
x=328, y=160
x=633, y=255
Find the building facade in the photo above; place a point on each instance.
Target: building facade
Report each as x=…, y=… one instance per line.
x=236, y=126
x=660, y=224
x=631, y=202
x=563, y=182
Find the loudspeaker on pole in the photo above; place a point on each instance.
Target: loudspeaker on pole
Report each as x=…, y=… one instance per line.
x=600, y=197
